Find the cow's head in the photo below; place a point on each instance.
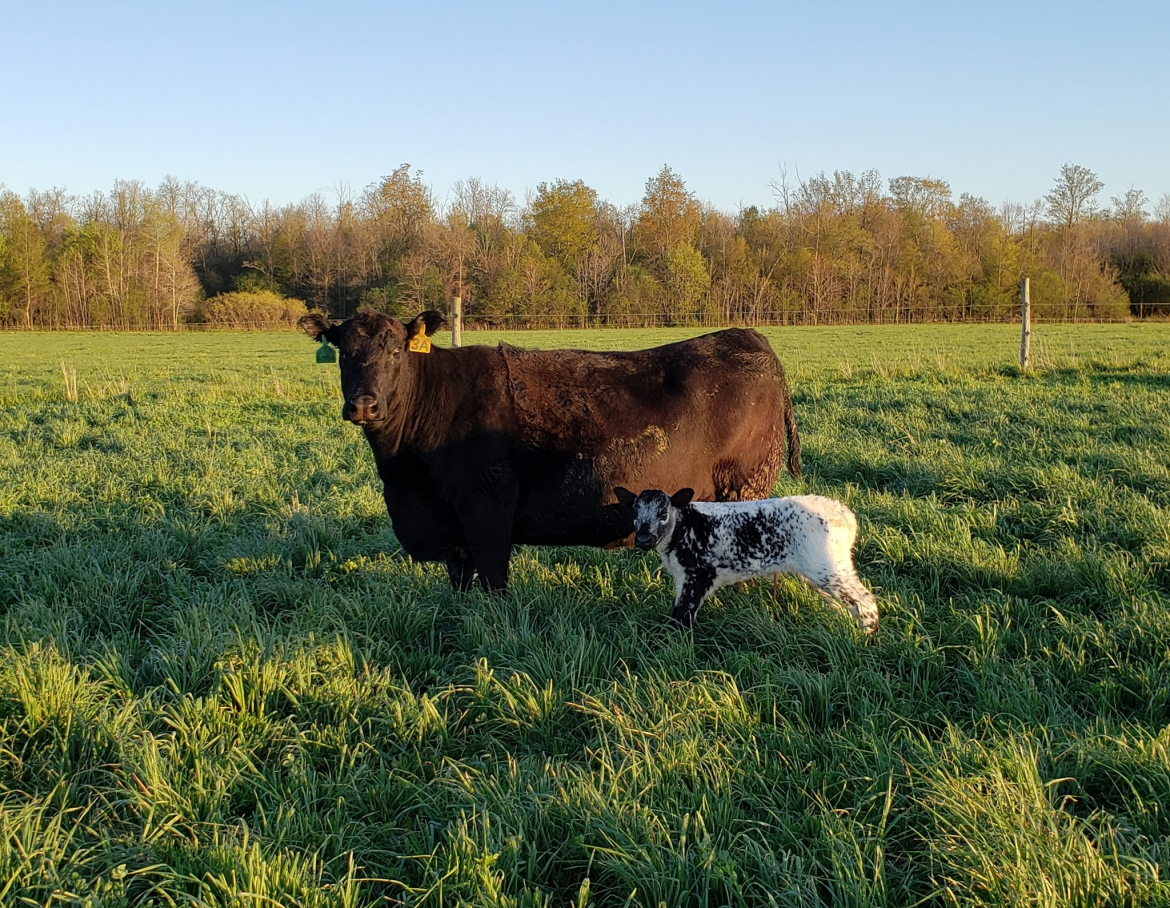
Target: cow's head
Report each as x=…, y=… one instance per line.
x=655, y=514
x=373, y=356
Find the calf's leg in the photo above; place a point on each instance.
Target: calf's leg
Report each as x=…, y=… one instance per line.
x=845, y=586
x=695, y=589
x=826, y=561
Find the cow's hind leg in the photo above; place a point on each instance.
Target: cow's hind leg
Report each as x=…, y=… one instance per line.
x=736, y=481
x=729, y=481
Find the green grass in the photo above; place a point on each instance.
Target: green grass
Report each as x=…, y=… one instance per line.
x=222, y=684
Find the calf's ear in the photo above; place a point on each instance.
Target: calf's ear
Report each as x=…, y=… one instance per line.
x=624, y=496
x=315, y=324
x=682, y=497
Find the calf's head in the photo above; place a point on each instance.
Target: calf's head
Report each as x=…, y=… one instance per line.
x=655, y=514
x=373, y=355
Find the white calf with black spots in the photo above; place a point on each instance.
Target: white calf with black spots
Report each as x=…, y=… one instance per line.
x=705, y=545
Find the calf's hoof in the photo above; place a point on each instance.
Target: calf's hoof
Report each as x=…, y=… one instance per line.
x=682, y=620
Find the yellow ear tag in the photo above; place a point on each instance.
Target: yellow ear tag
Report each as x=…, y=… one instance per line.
x=420, y=343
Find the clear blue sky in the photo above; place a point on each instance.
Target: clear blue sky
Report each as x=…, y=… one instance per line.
x=279, y=100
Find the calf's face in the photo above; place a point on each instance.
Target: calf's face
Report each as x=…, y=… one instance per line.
x=372, y=351
x=655, y=514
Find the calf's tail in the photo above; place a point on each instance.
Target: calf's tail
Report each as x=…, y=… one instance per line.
x=790, y=426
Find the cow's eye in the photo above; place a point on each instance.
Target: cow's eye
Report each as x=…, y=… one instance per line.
x=396, y=351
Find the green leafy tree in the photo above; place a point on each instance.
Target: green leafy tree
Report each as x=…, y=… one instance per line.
x=987, y=260
x=669, y=215
x=564, y=220
x=5, y=303
x=687, y=282
x=636, y=294
x=24, y=269
x=928, y=198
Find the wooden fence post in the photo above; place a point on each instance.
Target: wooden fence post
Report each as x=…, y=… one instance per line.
x=456, y=321
x=1025, y=322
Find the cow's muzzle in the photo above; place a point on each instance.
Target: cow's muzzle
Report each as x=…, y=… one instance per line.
x=644, y=541
x=362, y=409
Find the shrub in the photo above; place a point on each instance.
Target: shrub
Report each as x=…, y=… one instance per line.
x=260, y=309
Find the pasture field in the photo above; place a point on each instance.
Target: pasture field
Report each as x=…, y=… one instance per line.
x=221, y=683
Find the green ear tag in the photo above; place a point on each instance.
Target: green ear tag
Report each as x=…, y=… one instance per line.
x=325, y=353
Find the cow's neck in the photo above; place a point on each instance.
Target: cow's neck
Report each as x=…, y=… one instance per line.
x=413, y=420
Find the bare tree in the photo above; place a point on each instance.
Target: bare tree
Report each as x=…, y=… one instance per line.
x=1162, y=208
x=1131, y=206
x=1072, y=199
x=399, y=209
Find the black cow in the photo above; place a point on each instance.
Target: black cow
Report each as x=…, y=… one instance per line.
x=481, y=448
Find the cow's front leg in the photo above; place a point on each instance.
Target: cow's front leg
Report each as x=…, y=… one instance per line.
x=489, y=536
x=487, y=521
x=461, y=569
x=695, y=588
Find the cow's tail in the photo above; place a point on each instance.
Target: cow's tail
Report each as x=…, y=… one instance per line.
x=790, y=425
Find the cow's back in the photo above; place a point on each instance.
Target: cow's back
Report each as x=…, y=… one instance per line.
x=706, y=413
x=584, y=401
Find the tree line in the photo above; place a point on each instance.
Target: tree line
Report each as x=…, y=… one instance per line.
x=832, y=249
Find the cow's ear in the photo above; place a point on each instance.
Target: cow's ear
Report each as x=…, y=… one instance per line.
x=315, y=324
x=624, y=496
x=682, y=497
x=425, y=323
x=434, y=320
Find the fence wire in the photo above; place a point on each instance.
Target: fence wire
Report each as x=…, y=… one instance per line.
x=906, y=315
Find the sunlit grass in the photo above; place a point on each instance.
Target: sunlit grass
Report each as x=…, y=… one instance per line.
x=223, y=684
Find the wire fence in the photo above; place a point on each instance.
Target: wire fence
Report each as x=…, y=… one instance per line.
x=923, y=316
x=904, y=315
